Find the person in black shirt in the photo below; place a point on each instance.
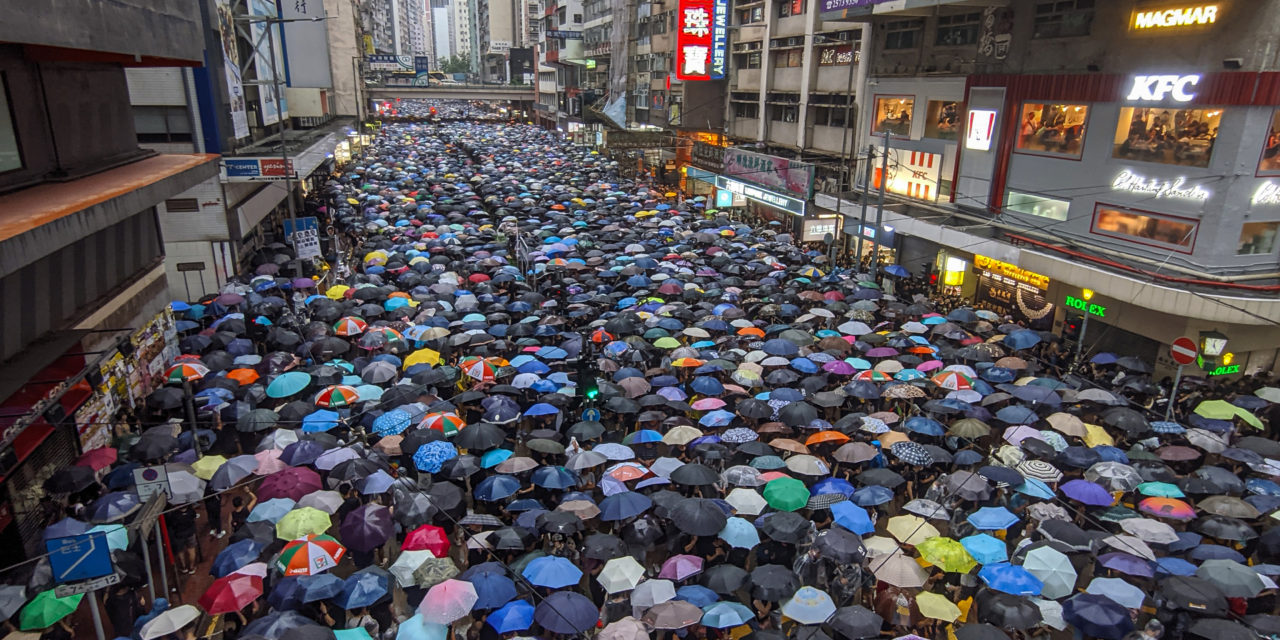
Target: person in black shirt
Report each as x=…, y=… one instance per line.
x=123, y=605
x=182, y=537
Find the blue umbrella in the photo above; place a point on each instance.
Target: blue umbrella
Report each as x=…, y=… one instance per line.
x=541, y=409
x=430, y=456
x=301, y=453
x=1035, y=488
x=322, y=420
x=1011, y=579
x=114, y=506
x=1017, y=414
x=553, y=572
x=925, y=426
x=717, y=418
x=642, y=436
x=392, y=423
x=723, y=615
x=1021, y=339
x=697, y=595
x=1170, y=565
x=707, y=386
x=236, y=555
x=64, y=528
x=833, y=485
x=852, y=517
x=516, y=615
x=494, y=457
x=271, y=510
x=549, y=477
x=621, y=506
x=117, y=535
x=287, y=384
x=986, y=549
x=364, y=588
x=496, y=488
x=377, y=482
x=494, y=590
x=896, y=270
x=740, y=533
x=780, y=347
x=566, y=612
x=1097, y=616
x=992, y=519
x=321, y=586
x=871, y=496
x=286, y=594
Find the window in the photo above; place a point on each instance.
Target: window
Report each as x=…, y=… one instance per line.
x=893, y=115
x=10, y=152
x=788, y=8
x=903, y=34
x=1063, y=18
x=836, y=55
x=958, y=30
x=784, y=112
x=160, y=124
x=1053, y=129
x=788, y=58
x=746, y=110
x=746, y=60
x=1257, y=237
x=1143, y=227
x=1269, y=164
x=751, y=16
x=1168, y=136
x=829, y=111
x=182, y=205
x=1034, y=205
x=942, y=119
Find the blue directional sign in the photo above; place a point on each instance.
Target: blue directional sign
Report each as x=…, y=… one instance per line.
x=591, y=415
x=308, y=223
x=79, y=557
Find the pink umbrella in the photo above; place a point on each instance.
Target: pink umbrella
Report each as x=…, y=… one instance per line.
x=929, y=365
x=292, y=483
x=269, y=462
x=448, y=601
x=679, y=567
x=839, y=367
x=708, y=404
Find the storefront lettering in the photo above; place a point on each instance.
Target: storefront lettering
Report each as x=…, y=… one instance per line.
x=1088, y=307
x=1176, y=188
x=1266, y=193
x=1156, y=88
x=1176, y=17
x=1225, y=370
x=1004, y=268
x=794, y=206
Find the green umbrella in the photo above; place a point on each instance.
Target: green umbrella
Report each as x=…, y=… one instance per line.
x=1160, y=490
x=46, y=609
x=1223, y=410
x=786, y=494
x=302, y=521
x=667, y=343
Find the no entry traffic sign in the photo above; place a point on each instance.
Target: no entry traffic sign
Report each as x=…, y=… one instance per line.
x=1183, y=350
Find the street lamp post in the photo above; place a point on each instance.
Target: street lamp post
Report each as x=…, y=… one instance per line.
x=1087, y=294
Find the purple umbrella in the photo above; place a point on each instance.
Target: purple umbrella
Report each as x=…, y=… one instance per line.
x=882, y=352
x=1127, y=564
x=1089, y=493
x=292, y=483
x=367, y=528
x=839, y=367
x=229, y=299
x=303, y=283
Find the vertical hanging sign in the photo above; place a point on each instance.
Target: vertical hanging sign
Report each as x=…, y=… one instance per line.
x=693, y=40
x=719, y=38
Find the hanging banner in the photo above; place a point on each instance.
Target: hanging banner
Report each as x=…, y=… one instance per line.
x=231, y=69
x=772, y=172
x=270, y=102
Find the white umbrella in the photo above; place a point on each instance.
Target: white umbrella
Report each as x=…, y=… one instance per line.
x=1130, y=545
x=407, y=563
x=809, y=606
x=927, y=508
x=899, y=570
x=1050, y=613
x=326, y=501
x=651, y=592
x=621, y=574
x=746, y=501
x=186, y=487
x=1119, y=591
x=1148, y=530
x=169, y=622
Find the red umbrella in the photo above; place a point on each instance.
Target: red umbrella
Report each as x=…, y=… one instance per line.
x=429, y=537
x=293, y=483
x=231, y=593
x=97, y=459
x=478, y=277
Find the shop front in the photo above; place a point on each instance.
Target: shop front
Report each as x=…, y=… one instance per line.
x=777, y=189
x=762, y=205
x=1012, y=292
x=865, y=240
x=698, y=182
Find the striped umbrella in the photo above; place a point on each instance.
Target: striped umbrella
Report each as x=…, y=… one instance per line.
x=953, y=380
x=310, y=555
x=871, y=375
x=350, y=326
x=337, y=395
x=479, y=369
x=446, y=422
x=185, y=372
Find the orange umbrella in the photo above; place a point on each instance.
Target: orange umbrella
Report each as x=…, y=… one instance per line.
x=688, y=362
x=243, y=376
x=823, y=437
x=751, y=331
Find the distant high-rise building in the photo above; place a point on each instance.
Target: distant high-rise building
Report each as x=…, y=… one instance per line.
x=442, y=28
x=463, y=28
x=398, y=27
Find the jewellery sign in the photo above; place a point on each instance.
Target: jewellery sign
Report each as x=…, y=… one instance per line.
x=1012, y=291
x=771, y=172
x=701, y=40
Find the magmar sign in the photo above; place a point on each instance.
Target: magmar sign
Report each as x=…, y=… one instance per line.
x=701, y=38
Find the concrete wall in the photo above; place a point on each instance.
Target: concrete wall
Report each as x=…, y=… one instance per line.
x=344, y=48
x=154, y=28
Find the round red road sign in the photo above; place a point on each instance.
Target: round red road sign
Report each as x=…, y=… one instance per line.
x=1183, y=350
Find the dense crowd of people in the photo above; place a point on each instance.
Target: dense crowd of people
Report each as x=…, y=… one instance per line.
x=545, y=401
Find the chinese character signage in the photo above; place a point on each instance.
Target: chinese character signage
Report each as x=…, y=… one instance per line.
x=700, y=41
x=847, y=8
x=771, y=172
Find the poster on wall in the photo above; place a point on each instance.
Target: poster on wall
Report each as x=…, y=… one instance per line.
x=231, y=69
x=271, y=102
x=771, y=172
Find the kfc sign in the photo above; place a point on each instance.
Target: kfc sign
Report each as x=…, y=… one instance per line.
x=980, y=130
x=700, y=41
x=1157, y=88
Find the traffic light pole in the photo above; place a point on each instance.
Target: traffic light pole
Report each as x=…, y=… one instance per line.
x=1084, y=327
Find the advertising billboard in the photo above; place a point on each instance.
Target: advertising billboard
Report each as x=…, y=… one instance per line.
x=701, y=38
x=771, y=172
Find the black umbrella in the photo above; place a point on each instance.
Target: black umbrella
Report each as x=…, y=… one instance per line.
x=603, y=547
x=886, y=478
x=644, y=531
x=724, y=579
x=481, y=436
x=856, y=622
x=1196, y=595
x=1225, y=528
x=166, y=398
x=981, y=631
x=773, y=583
x=785, y=526
x=699, y=517
x=511, y=538
x=69, y=479
x=839, y=544
x=798, y=414
x=695, y=475
x=1007, y=611
x=1219, y=629
x=153, y=446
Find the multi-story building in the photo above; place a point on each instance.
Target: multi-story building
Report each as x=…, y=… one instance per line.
x=443, y=28
x=397, y=26
x=80, y=207
x=462, y=30
x=498, y=24
x=1113, y=159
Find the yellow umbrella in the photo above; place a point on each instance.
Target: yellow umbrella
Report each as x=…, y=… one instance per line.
x=204, y=467
x=946, y=554
x=911, y=529
x=302, y=522
x=1096, y=436
x=1223, y=410
x=937, y=606
x=336, y=292
x=422, y=356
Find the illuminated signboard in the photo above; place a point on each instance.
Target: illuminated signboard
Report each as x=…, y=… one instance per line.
x=1012, y=271
x=1157, y=88
x=1177, y=188
x=1267, y=193
x=980, y=129
x=1089, y=307
x=1172, y=17
x=794, y=206
x=701, y=38
x=1224, y=370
